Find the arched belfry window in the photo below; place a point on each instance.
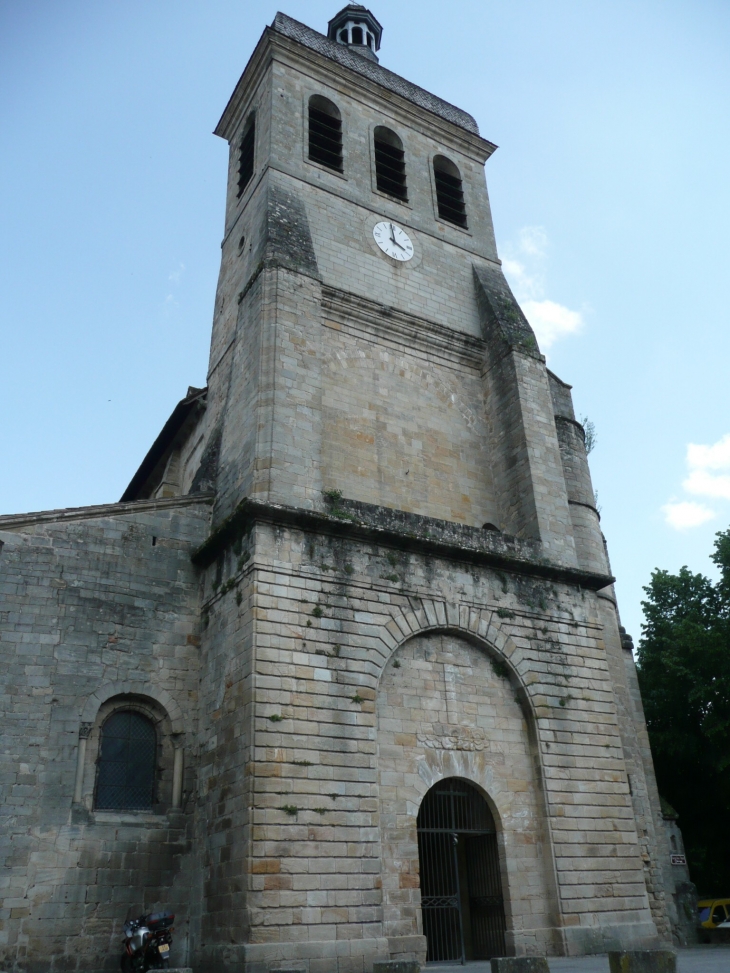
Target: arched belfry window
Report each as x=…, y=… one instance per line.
x=325, y=133
x=246, y=156
x=390, y=166
x=449, y=192
x=127, y=759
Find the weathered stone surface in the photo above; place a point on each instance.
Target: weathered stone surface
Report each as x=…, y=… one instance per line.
x=101, y=609
x=397, y=966
x=643, y=961
x=368, y=561
x=520, y=964
x=382, y=76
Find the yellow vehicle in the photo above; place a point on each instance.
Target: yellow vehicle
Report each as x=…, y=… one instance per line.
x=711, y=913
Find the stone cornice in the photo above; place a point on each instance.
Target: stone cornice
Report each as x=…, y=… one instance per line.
x=406, y=531
x=588, y=506
x=10, y=521
x=406, y=332
x=246, y=85
x=289, y=50
x=572, y=422
x=374, y=72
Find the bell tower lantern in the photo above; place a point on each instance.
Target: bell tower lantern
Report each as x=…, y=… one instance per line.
x=356, y=28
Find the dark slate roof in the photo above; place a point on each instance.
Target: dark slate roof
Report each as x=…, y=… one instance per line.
x=356, y=62
x=193, y=401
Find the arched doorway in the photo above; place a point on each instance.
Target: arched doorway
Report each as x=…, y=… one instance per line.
x=461, y=889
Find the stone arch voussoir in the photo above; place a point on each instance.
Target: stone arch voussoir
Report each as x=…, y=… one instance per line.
x=475, y=625
x=134, y=688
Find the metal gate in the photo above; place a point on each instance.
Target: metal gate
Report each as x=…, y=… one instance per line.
x=461, y=890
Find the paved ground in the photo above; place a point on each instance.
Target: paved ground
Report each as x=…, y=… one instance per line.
x=702, y=959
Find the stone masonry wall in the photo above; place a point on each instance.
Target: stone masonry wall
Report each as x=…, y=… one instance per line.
x=344, y=200
x=97, y=606
x=327, y=616
x=447, y=709
x=393, y=421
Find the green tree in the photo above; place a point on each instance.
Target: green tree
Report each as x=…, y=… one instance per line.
x=683, y=664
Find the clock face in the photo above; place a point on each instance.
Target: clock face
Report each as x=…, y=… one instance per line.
x=393, y=240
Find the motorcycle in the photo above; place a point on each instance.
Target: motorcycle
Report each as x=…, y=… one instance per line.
x=147, y=942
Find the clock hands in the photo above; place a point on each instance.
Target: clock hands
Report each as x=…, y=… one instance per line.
x=392, y=237
x=388, y=237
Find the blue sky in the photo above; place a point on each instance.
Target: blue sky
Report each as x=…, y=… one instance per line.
x=610, y=195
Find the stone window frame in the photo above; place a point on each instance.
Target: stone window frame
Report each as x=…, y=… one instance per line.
x=445, y=224
x=252, y=111
x=307, y=94
x=143, y=716
x=169, y=771
x=442, y=158
x=381, y=123
x=250, y=121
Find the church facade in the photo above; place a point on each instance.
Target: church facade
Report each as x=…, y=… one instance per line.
x=341, y=678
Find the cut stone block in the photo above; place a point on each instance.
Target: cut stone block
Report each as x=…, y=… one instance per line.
x=643, y=961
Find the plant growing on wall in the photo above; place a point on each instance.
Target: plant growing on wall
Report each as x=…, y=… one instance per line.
x=589, y=429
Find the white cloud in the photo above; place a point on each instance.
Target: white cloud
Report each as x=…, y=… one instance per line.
x=702, y=481
x=533, y=240
x=684, y=514
x=524, y=266
x=701, y=460
x=551, y=321
x=177, y=275
x=704, y=484
x=525, y=284
x=715, y=457
x=169, y=305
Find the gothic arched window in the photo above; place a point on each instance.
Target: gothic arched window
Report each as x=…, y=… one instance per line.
x=127, y=758
x=325, y=133
x=449, y=193
x=245, y=159
x=390, y=166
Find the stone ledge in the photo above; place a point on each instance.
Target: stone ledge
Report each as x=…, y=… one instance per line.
x=643, y=961
x=402, y=530
x=356, y=314
x=64, y=514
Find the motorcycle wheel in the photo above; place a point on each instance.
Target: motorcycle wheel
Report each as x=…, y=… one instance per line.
x=127, y=964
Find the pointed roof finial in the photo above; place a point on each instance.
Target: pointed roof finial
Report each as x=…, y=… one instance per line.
x=356, y=28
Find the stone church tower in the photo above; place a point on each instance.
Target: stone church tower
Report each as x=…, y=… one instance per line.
x=340, y=679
